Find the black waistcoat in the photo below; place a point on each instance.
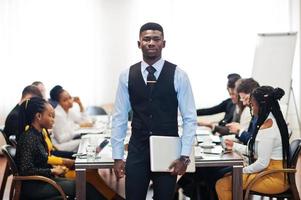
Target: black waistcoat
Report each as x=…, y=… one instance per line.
x=154, y=111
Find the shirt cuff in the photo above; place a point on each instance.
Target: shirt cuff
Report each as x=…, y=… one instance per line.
x=118, y=152
x=186, y=150
x=240, y=132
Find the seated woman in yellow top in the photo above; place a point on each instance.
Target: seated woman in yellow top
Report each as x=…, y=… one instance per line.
x=92, y=175
x=58, y=160
x=268, y=148
x=31, y=154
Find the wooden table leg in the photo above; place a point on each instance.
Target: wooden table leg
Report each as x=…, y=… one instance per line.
x=80, y=184
x=237, y=190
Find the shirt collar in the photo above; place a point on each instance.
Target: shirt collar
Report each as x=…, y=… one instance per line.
x=157, y=65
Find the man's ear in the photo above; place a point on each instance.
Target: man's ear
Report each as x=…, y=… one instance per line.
x=138, y=42
x=164, y=42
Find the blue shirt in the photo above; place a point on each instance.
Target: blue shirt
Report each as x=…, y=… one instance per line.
x=123, y=106
x=246, y=135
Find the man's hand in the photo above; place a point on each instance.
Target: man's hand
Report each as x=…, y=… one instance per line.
x=179, y=166
x=229, y=144
x=206, y=123
x=119, y=168
x=234, y=127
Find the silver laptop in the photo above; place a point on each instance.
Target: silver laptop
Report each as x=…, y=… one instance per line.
x=164, y=150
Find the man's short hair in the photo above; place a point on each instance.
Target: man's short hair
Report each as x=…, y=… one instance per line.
x=32, y=90
x=232, y=78
x=37, y=83
x=151, y=26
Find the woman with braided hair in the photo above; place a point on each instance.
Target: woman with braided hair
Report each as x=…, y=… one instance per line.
x=32, y=154
x=267, y=149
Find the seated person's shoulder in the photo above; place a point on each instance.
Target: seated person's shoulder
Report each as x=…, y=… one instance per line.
x=267, y=124
x=27, y=136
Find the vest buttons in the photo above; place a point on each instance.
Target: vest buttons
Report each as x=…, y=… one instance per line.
x=150, y=116
x=150, y=99
x=150, y=132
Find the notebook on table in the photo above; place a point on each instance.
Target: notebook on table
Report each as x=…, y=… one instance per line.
x=164, y=150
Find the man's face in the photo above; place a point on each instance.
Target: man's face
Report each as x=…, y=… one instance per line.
x=151, y=42
x=42, y=90
x=233, y=95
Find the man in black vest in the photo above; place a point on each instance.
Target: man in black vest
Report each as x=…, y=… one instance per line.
x=153, y=89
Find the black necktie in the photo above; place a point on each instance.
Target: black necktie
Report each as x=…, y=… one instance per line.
x=151, y=79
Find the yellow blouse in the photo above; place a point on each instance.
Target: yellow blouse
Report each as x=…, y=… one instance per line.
x=52, y=160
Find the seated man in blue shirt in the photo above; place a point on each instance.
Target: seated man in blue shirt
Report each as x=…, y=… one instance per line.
x=244, y=90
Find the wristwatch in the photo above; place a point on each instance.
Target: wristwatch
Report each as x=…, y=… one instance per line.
x=185, y=160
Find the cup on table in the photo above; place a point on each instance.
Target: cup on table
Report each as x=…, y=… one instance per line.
x=109, y=121
x=91, y=152
x=208, y=140
x=223, y=143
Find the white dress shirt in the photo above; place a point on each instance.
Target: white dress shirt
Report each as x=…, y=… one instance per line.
x=245, y=119
x=64, y=128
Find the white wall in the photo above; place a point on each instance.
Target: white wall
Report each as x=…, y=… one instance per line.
x=295, y=103
x=84, y=45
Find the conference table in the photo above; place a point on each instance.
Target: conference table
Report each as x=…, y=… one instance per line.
x=203, y=158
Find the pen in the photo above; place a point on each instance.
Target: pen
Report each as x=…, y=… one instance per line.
x=102, y=145
x=212, y=153
x=79, y=154
x=226, y=152
x=198, y=157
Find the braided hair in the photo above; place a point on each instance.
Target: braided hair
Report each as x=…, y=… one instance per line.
x=28, y=110
x=267, y=99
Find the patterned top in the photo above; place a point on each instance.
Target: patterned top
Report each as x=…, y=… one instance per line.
x=32, y=154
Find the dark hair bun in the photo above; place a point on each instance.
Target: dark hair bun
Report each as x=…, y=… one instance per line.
x=233, y=75
x=278, y=93
x=55, y=92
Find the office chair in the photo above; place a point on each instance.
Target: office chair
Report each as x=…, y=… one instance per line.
x=13, y=140
x=95, y=110
x=4, y=165
x=15, y=191
x=292, y=192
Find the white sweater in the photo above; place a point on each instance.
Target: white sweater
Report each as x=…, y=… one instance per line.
x=64, y=128
x=267, y=146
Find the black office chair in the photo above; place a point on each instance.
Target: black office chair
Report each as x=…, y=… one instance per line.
x=3, y=139
x=4, y=165
x=95, y=110
x=292, y=192
x=13, y=140
x=15, y=191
